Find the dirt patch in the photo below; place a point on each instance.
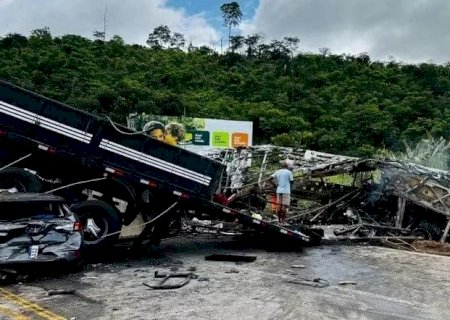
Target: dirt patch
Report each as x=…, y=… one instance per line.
x=433, y=247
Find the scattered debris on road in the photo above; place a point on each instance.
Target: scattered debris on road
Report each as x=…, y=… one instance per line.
x=53, y=292
x=230, y=257
x=162, y=285
x=316, y=283
x=232, y=271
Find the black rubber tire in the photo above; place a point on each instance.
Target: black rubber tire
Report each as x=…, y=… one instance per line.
x=117, y=188
x=107, y=215
x=21, y=179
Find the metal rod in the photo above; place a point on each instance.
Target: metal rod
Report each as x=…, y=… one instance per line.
x=16, y=161
x=76, y=183
x=353, y=192
x=447, y=229
x=401, y=205
x=262, y=169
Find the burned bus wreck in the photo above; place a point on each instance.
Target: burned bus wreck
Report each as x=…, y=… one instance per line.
x=355, y=199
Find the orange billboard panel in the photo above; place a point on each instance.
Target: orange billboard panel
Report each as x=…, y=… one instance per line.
x=239, y=139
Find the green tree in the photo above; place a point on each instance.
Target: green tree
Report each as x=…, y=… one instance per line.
x=13, y=40
x=291, y=43
x=160, y=37
x=99, y=35
x=236, y=43
x=252, y=42
x=42, y=33
x=177, y=40
x=232, y=16
x=368, y=125
x=41, y=36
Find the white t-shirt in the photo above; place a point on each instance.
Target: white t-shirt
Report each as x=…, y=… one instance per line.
x=284, y=178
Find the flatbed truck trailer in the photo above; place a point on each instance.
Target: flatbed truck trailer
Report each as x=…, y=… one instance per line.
x=48, y=146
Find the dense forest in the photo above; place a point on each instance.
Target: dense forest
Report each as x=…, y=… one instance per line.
x=335, y=103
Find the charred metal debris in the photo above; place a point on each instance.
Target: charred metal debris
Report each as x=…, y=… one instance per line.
x=343, y=198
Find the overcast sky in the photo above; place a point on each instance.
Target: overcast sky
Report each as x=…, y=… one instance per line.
x=408, y=30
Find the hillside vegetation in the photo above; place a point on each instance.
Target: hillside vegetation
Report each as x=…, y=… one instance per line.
x=334, y=103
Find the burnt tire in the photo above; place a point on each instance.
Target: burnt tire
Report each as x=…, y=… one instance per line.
x=99, y=219
x=427, y=230
x=20, y=179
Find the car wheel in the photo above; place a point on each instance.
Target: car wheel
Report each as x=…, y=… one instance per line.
x=19, y=180
x=99, y=220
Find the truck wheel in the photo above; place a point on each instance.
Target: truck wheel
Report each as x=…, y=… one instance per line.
x=19, y=180
x=98, y=219
x=117, y=188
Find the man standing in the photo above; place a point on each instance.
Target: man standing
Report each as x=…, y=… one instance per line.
x=283, y=179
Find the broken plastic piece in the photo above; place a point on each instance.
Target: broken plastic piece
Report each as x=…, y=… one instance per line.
x=316, y=283
x=161, y=286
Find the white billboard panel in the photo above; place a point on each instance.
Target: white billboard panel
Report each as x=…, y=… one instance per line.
x=195, y=134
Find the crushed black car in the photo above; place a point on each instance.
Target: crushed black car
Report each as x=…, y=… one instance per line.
x=38, y=228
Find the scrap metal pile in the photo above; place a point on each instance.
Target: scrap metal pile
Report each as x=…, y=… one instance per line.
x=346, y=198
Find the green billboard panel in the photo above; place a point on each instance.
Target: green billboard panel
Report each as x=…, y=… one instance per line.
x=220, y=139
x=200, y=138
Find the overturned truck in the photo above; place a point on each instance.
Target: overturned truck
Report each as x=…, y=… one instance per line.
x=96, y=164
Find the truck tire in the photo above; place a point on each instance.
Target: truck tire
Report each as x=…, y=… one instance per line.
x=98, y=219
x=120, y=189
x=20, y=179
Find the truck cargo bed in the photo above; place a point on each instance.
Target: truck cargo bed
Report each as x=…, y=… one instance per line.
x=74, y=135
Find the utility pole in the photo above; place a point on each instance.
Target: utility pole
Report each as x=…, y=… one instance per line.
x=104, y=22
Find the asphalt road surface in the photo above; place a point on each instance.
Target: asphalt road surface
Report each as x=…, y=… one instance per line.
x=387, y=284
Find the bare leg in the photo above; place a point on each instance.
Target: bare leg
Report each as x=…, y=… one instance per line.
x=280, y=208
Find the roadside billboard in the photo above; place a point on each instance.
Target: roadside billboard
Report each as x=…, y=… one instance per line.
x=195, y=134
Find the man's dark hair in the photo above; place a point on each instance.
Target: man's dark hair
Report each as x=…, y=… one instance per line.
x=152, y=125
x=176, y=130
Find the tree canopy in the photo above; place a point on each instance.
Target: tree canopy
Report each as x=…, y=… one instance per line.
x=334, y=103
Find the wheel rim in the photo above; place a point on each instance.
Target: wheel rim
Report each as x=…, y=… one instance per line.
x=95, y=229
x=92, y=228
